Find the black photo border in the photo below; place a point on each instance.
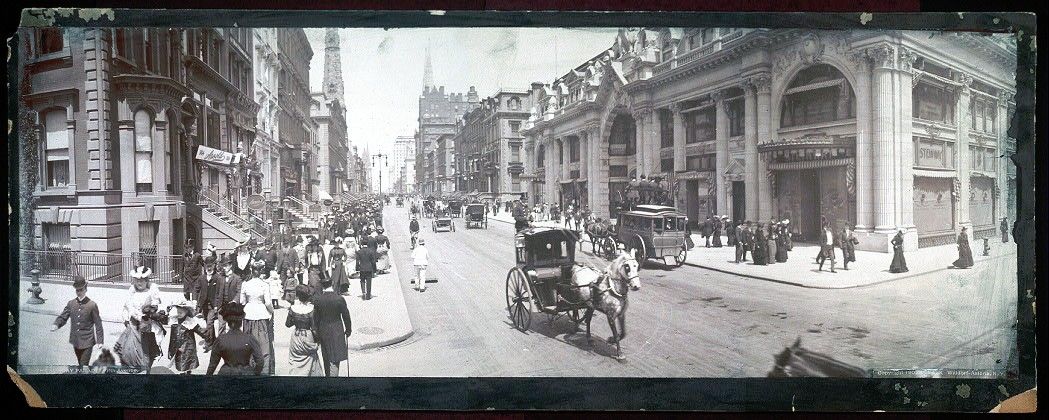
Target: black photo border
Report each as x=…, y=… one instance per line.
x=720, y=394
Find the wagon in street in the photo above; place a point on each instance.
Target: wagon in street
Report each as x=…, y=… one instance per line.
x=654, y=232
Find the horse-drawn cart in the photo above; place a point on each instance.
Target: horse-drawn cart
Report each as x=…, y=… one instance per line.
x=441, y=222
x=656, y=232
x=476, y=216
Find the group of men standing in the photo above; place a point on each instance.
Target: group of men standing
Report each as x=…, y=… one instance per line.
x=652, y=190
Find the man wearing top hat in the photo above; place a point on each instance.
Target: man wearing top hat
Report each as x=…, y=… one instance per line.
x=192, y=270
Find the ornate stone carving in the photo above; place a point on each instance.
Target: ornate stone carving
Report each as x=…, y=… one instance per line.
x=675, y=107
x=772, y=182
x=718, y=96
x=907, y=59
x=933, y=130
x=762, y=82
x=965, y=79
x=1005, y=97
x=882, y=55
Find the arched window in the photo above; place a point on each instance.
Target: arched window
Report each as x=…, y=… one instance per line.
x=622, y=140
x=817, y=94
x=143, y=151
x=56, y=148
x=540, y=156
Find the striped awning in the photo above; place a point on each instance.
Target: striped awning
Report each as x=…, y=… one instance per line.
x=810, y=164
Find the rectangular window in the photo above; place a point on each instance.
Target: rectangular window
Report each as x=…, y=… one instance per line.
x=699, y=126
x=932, y=103
x=617, y=171
x=573, y=150
x=120, y=42
x=515, y=184
x=147, y=242
x=56, y=236
x=666, y=165
x=51, y=40
x=143, y=151
x=735, y=117
x=700, y=162
x=56, y=148
x=147, y=51
x=666, y=128
x=515, y=127
x=983, y=114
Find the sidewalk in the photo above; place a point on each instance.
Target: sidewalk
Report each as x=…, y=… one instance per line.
x=802, y=270
x=383, y=320
x=870, y=268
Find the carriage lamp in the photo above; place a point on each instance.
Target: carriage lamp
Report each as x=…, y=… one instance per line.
x=34, y=288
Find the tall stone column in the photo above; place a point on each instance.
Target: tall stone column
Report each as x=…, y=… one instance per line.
x=679, y=138
x=905, y=142
x=882, y=138
x=864, y=183
x=750, y=150
x=964, y=168
x=641, y=143
x=652, y=141
x=763, y=87
x=584, y=156
x=598, y=185
x=721, y=129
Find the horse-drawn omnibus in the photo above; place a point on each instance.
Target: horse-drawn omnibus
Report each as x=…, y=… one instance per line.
x=654, y=232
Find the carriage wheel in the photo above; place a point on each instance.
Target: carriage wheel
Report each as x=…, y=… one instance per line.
x=610, y=248
x=682, y=255
x=518, y=299
x=640, y=253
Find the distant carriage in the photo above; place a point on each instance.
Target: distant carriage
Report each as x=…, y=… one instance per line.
x=476, y=216
x=455, y=208
x=654, y=232
x=442, y=222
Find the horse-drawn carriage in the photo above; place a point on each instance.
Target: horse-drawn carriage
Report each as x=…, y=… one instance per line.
x=442, y=221
x=656, y=232
x=476, y=216
x=455, y=208
x=548, y=278
x=429, y=207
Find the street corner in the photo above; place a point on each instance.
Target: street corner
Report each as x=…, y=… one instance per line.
x=383, y=320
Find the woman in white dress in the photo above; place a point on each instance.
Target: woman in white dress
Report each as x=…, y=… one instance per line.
x=351, y=246
x=258, y=312
x=139, y=344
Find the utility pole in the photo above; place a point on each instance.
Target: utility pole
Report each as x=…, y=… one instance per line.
x=384, y=161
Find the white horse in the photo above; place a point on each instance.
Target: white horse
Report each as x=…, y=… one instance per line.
x=607, y=292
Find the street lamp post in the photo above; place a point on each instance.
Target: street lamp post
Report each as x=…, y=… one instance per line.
x=383, y=158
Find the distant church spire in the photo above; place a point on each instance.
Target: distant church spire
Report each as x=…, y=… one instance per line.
x=333, y=86
x=428, y=71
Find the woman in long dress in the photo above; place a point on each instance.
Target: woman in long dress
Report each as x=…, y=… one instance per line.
x=781, y=243
x=848, y=246
x=337, y=267
x=258, y=312
x=314, y=265
x=965, y=253
x=303, y=350
x=139, y=344
x=761, y=246
x=349, y=244
x=239, y=352
x=899, y=263
x=773, y=240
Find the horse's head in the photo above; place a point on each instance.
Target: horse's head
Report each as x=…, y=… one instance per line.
x=625, y=268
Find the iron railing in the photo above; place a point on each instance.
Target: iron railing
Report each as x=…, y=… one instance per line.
x=101, y=266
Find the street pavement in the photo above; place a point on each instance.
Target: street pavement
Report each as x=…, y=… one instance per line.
x=685, y=322
x=689, y=322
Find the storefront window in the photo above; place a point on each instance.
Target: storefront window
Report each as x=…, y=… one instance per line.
x=932, y=103
x=699, y=126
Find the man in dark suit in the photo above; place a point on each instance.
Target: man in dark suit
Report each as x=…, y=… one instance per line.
x=192, y=271
x=366, y=261
x=85, y=330
x=707, y=230
x=331, y=318
x=748, y=240
x=213, y=291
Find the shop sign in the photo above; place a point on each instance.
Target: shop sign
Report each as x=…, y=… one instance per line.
x=215, y=156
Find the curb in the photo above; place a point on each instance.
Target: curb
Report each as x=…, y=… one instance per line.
x=855, y=286
x=384, y=343
x=104, y=284
x=398, y=337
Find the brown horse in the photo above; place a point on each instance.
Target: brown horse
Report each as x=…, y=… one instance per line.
x=607, y=292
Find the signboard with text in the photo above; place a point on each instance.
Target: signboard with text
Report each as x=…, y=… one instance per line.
x=215, y=156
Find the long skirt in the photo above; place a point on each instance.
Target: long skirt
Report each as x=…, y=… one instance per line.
x=383, y=264
x=339, y=280
x=717, y=240
x=350, y=264
x=136, y=349
x=314, y=276
x=304, y=356
x=781, y=251
x=899, y=264
x=773, y=251
x=965, y=256
x=262, y=330
x=759, y=254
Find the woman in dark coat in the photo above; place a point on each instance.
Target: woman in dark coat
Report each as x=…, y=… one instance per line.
x=315, y=265
x=761, y=246
x=772, y=237
x=965, y=253
x=718, y=226
x=781, y=243
x=731, y=233
x=899, y=264
x=236, y=348
x=337, y=269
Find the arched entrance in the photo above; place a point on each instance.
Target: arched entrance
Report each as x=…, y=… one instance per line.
x=812, y=170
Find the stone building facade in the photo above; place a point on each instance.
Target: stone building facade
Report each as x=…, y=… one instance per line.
x=884, y=130
x=403, y=150
x=489, y=145
x=119, y=115
x=268, y=147
x=438, y=115
x=330, y=117
x=295, y=127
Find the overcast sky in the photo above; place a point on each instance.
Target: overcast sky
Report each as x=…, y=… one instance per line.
x=383, y=69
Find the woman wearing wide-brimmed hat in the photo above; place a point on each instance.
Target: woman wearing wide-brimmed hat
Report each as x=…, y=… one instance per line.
x=315, y=265
x=182, y=348
x=138, y=346
x=337, y=267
